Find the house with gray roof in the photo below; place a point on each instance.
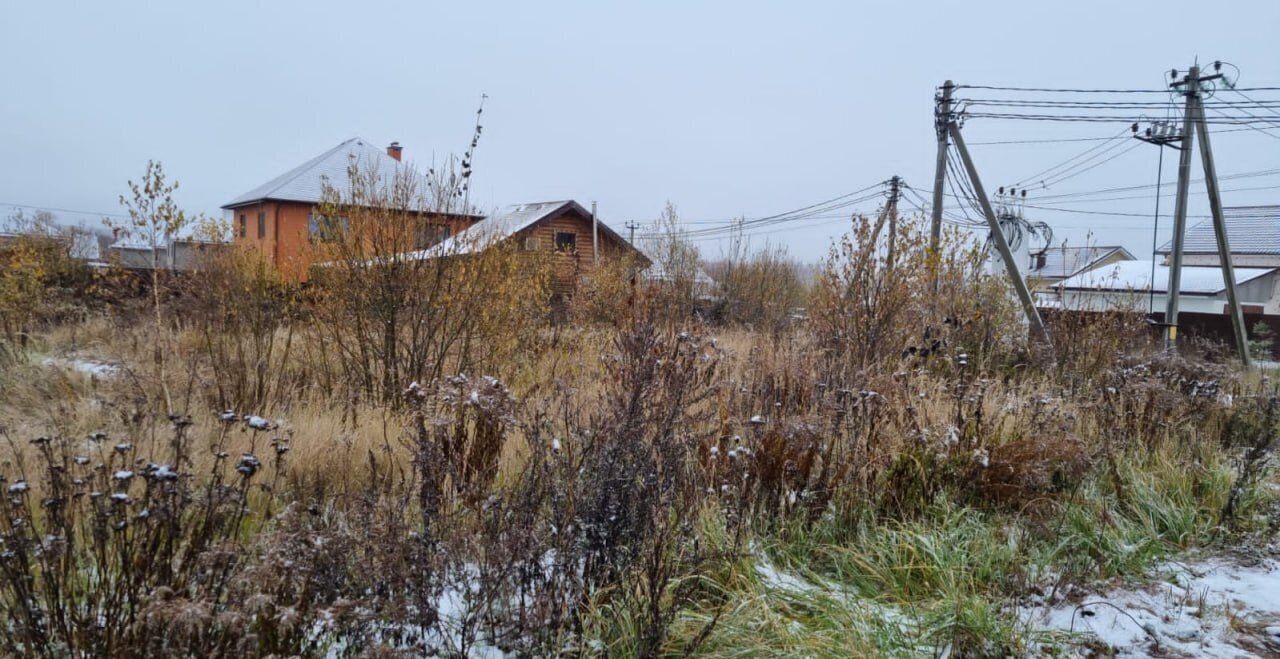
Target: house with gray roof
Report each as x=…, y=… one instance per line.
x=1055, y=264
x=1252, y=231
x=571, y=237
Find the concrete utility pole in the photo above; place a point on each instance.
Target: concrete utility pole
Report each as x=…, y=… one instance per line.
x=1220, y=231
x=1002, y=244
x=1180, y=212
x=891, y=211
x=1194, y=115
x=942, y=124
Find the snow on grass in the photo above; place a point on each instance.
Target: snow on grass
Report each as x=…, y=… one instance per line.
x=1213, y=607
x=865, y=613
x=774, y=578
x=86, y=366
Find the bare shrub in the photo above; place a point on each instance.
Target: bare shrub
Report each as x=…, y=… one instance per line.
x=676, y=274
x=244, y=314
x=39, y=276
x=762, y=288
x=872, y=313
x=96, y=531
x=397, y=311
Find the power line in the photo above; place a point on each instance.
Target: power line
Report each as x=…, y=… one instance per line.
x=1106, y=105
x=1107, y=213
x=811, y=211
x=1091, y=149
x=1147, y=196
x=1227, y=120
x=1083, y=139
x=60, y=210
x=1069, y=174
x=1260, y=130
x=1132, y=188
x=1092, y=91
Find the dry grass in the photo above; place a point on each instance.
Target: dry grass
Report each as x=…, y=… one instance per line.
x=611, y=492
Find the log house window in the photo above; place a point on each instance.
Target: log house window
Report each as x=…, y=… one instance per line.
x=566, y=241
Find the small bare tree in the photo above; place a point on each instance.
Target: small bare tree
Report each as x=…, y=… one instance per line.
x=677, y=264
x=758, y=287
x=155, y=220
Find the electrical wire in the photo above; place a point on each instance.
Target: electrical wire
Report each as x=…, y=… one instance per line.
x=1260, y=130
x=1134, y=188
x=1072, y=173
x=61, y=210
x=1081, y=139
x=1091, y=91
x=1086, y=152
x=811, y=211
x=1226, y=120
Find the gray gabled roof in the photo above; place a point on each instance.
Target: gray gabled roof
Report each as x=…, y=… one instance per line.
x=304, y=183
x=1250, y=230
x=1062, y=262
x=503, y=225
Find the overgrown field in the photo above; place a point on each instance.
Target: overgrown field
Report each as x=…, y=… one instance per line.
x=412, y=466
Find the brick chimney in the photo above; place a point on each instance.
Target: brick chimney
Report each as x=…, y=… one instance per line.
x=394, y=150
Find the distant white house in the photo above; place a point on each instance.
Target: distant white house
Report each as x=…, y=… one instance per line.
x=704, y=285
x=1127, y=286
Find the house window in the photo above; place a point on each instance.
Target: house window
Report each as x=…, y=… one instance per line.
x=262, y=225
x=326, y=229
x=244, y=226
x=431, y=234
x=566, y=241
x=531, y=244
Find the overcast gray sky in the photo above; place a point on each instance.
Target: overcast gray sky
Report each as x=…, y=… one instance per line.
x=724, y=108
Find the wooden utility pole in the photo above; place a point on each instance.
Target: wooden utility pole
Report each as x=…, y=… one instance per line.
x=1002, y=244
x=595, y=236
x=891, y=211
x=942, y=124
x=1180, y=212
x=632, y=226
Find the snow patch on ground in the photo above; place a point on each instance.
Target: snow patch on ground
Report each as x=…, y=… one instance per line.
x=779, y=580
x=1215, y=607
x=90, y=367
x=864, y=611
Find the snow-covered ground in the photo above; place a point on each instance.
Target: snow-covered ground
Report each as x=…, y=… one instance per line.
x=1212, y=607
x=1220, y=607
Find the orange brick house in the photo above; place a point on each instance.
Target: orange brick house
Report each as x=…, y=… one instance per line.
x=279, y=217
